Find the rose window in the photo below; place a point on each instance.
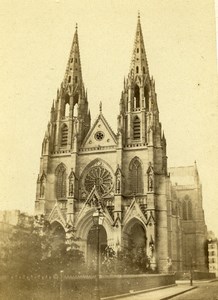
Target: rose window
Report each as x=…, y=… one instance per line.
x=101, y=178
x=99, y=135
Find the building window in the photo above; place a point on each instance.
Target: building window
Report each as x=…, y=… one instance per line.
x=69, y=79
x=64, y=135
x=143, y=70
x=136, y=176
x=61, y=181
x=189, y=210
x=184, y=210
x=137, y=50
x=75, y=79
x=136, y=128
x=137, y=96
x=137, y=70
x=55, y=132
x=67, y=110
x=146, y=95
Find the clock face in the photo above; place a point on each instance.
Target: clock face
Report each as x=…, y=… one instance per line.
x=100, y=178
x=99, y=135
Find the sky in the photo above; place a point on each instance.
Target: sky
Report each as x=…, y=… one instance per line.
x=180, y=42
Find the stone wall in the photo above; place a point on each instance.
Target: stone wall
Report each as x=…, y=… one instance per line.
x=196, y=275
x=77, y=287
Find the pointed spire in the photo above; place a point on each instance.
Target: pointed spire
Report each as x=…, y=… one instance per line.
x=73, y=74
x=100, y=107
x=139, y=63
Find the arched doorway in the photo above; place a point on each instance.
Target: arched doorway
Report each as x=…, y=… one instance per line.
x=58, y=234
x=136, y=246
x=137, y=237
x=92, y=244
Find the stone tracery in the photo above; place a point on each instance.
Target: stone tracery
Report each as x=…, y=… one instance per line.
x=99, y=177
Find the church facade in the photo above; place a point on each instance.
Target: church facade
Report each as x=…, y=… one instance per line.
x=85, y=167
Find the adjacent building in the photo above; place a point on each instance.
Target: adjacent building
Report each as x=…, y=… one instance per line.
x=86, y=167
x=8, y=219
x=212, y=253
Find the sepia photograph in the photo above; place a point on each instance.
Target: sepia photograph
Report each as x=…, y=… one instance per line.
x=109, y=149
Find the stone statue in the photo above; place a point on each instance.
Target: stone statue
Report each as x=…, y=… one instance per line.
x=150, y=183
x=71, y=187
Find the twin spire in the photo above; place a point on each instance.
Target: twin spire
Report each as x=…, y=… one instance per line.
x=73, y=74
x=139, y=64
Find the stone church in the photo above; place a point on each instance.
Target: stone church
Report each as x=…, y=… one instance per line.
x=85, y=167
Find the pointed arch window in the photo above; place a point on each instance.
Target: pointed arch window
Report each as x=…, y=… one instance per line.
x=55, y=132
x=137, y=70
x=136, y=176
x=64, y=135
x=189, y=210
x=61, y=182
x=66, y=106
x=143, y=70
x=146, y=95
x=136, y=128
x=137, y=96
x=67, y=110
x=184, y=210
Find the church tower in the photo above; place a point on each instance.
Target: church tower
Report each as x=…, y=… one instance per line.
x=144, y=160
x=69, y=123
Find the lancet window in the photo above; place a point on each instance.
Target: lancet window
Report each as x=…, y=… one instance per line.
x=61, y=177
x=136, y=128
x=136, y=176
x=64, y=135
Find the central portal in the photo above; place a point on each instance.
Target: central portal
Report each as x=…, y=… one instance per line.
x=92, y=244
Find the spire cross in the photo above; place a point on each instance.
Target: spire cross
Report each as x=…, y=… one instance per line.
x=138, y=14
x=76, y=26
x=100, y=106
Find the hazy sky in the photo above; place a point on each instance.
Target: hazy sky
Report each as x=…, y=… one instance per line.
x=36, y=37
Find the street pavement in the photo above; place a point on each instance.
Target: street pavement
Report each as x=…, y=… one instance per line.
x=205, y=290
x=155, y=295
x=199, y=291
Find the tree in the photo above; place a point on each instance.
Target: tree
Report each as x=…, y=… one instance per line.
x=25, y=249
x=127, y=261
x=31, y=250
x=66, y=256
